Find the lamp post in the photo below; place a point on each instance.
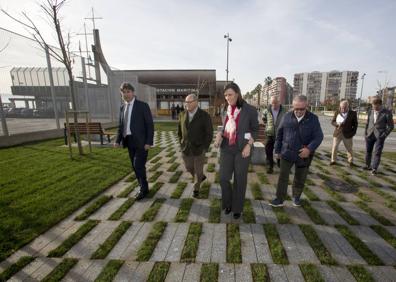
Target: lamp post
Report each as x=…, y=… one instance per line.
x=229, y=39
x=361, y=93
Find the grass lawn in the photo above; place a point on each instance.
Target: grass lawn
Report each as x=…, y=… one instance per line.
x=165, y=125
x=40, y=186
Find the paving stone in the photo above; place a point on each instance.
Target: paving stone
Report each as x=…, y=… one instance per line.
x=269, y=191
x=375, y=243
x=200, y=210
x=176, y=247
x=297, y=214
x=48, y=265
x=296, y=246
x=176, y=272
x=26, y=274
x=188, y=191
x=277, y=273
x=226, y=272
x=166, y=189
x=335, y=273
x=141, y=272
x=338, y=246
x=219, y=246
x=382, y=273
x=268, y=212
x=293, y=273
x=130, y=252
x=362, y=217
x=164, y=243
x=318, y=191
x=215, y=191
x=93, y=270
x=391, y=229
x=380, y=208
x=243, y=272
x=108, y=209
x=168, y=210
x=204, y=252
x=125, y=240
x=78, y=270
x=248, y=249
x=327, y=213
x=88, y=245
x=261, y=244
x=127, y=272
x=135, y=212
x=192, y=272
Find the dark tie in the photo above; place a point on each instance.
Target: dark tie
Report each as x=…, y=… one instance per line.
x=126, y=115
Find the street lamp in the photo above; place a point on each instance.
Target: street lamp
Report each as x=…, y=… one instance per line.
x=361, y=93
x=229, y=39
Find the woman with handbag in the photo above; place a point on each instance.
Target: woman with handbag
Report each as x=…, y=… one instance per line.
x=240, y=128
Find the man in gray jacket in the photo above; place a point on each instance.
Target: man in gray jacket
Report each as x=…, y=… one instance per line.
x=379, y=126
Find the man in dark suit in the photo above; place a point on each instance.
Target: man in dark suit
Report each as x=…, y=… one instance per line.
x=195, y=133
x=345, y=123
x=379, y=125
x=135, y=132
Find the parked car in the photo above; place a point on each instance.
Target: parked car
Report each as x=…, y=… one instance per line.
x=27, y=113
x=43, y=113
x=14, y=112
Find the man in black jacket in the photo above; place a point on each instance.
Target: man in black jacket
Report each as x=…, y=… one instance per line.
x=345, y=122
x=135, y=132
x=195, y=133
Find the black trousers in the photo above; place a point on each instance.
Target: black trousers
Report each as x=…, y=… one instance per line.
x=138, y=158
x=269, y=150
x=377, y=144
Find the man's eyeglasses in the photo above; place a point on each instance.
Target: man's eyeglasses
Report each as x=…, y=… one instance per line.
x=299, y=109
x=189, y=102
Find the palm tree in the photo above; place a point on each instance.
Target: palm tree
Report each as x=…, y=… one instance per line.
x=268, y=81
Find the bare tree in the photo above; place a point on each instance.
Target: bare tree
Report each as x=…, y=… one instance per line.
x=51, y=10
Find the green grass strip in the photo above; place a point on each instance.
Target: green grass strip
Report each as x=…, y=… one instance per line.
x=15, y=268
x=309, y=182
x=248, y=213
x=73, y=239
x=105, y=248
x=316, y=244
x=171, y=160
x=263, y=178
x=390, y=201
x=151, y=212
x=333, y=193
x=381, y=219
x=122, y=209
x=234, y=254
x=209, y=272
x=204, y=190
x=184, y=210
x=131, y=178
x=343, y=213
x=360, y=273
x=176, y=194
x=281, y=215
x=311, y=273
x=312, y=213
x=94, y=207
x=110, y=271
x=191, y=244
x=155, y=167
x=155, y=176
x=170, y=154
x=359, y=246
x=154, y=189
x=175, y=177
x=128, y=190
x=310, y=195
x=156, y=159
x=385, y=234
x=159, y=272
x=259, y=272
x=215, y=211
x=146, y=249
x=256, y=191
x=363, y=196
x=278, y=253
x=173, y=167
x=210, y=167
x=60, y=270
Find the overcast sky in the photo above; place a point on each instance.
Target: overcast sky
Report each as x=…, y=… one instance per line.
x=269, y=38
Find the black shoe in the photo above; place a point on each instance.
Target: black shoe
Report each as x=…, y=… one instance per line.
x=278, y=162
x=367, y=168
x=227, y=210
x=237, y=215
x=140, y=196
x=203, y=178
x=333, y=163
x=351, y=164
x=270, y=170
x=195, y=194
x=374, y=172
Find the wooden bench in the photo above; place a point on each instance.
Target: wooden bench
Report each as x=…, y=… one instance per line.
x=93, y=128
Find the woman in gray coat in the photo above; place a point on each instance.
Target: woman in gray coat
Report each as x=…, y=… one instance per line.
x=240, y=129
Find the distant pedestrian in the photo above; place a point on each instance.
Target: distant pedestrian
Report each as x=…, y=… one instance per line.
x=379, y=125
x=346, y=123
x=173, y=111
x=298, y=136
x=178, y=109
